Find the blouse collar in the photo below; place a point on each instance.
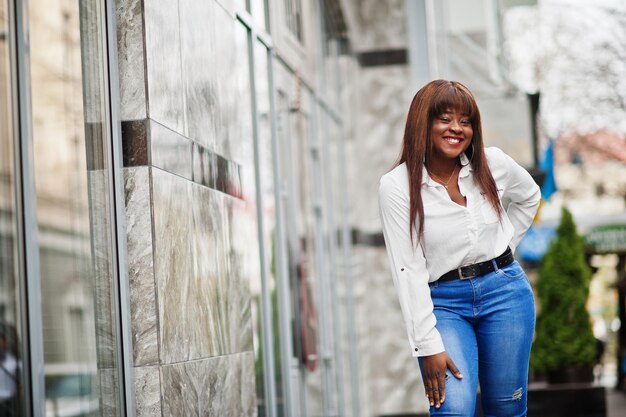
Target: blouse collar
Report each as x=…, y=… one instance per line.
x=466, y=168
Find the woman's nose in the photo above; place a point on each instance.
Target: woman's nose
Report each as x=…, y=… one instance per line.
x=455, y=127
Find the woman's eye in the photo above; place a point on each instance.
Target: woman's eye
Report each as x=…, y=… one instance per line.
x=465, y=122
x=445, y=120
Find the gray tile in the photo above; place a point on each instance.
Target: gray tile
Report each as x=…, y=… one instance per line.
x=241, y=126
x=147, y=391
x=222, y=173
x=382, y=25
x=199, y=46
x=163, y=64
x=222, y=386
x=234, y=121
x=140, y=265
x=180, y=389
x=170, y=151
x=247, y=392
x=231, y=6
x=204, y=166
x=173, y=264
x=131, y=63
x=234, y=187
x=208, y=260
x=241, y=241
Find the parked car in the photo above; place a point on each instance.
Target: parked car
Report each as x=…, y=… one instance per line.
x=71, y=390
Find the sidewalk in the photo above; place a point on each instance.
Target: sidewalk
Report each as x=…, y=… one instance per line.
x=615, y=399
x=615, y=403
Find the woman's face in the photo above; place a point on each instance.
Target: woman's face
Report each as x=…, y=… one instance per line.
x=451, y=134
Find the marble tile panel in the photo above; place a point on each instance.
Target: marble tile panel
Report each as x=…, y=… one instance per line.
x=382, y=25
x=108, y=384
x=243, y=267
x=102, y=279
x=222, y=386
x=147, y=391
x=180, y=390
x=199, y=45
x=169, y=150
x=385, y=376
x=233, y=186
x=141, y=266
x=131, y=63
x=173, y=264
x=218, y=209
x=234, y=122
x=204, y=166
x=135, y=142
x=163, y=63
x=384, y=96
x=210, y=335
x=231, y=6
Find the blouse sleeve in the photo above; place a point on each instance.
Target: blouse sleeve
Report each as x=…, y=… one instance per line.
x=525, y=196
x=408, y=269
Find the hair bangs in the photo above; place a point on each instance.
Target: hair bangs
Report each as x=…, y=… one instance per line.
x=453, y=97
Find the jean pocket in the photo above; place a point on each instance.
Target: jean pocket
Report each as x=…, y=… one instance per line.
x=512, y=271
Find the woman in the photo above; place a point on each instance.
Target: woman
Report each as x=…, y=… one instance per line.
x=467, y=304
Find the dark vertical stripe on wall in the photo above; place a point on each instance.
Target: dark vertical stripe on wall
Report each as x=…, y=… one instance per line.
x=135, y=142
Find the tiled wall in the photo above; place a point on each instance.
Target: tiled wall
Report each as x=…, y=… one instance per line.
x=389, y=376
x=191, y=219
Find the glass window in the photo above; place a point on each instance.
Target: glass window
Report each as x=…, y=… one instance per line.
x=293, y=17
x=10, y=340
x=266, y=166
x=259, y=12
x=293, y=135
x=72, y=174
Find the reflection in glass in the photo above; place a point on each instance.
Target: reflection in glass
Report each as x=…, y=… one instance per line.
x=72, y=181
x=258, y=11
x=269, y=235
x=293, y=17
x=295, y=166
x=10, y=340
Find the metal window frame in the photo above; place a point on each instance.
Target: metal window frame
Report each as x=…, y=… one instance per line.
x=27, y=237
x=28, y=262
x=294, y=404
x=269, y=376
x=117, y=212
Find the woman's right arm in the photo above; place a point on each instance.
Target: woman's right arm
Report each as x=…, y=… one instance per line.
x=408, y=269
x=410, y=277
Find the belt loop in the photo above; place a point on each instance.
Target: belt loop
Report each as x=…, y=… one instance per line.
x=495, y=264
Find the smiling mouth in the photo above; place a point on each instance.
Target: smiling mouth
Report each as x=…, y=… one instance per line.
x=453, y=141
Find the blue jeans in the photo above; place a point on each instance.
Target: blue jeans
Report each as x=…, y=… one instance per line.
x=487, y=326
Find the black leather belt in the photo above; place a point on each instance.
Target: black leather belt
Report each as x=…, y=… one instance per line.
x=481, y=268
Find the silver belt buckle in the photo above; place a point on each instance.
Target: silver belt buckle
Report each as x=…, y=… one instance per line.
x=461, y=276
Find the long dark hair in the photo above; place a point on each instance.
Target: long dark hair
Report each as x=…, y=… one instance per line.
x=431, y=101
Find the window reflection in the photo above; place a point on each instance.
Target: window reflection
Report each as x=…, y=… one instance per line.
x=269, y=237
x=10, y=341
x=71, y=180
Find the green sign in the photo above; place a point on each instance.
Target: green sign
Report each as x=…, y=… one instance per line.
x=607, y=238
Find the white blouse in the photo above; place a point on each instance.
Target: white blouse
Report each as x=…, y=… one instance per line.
x=454, y=235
